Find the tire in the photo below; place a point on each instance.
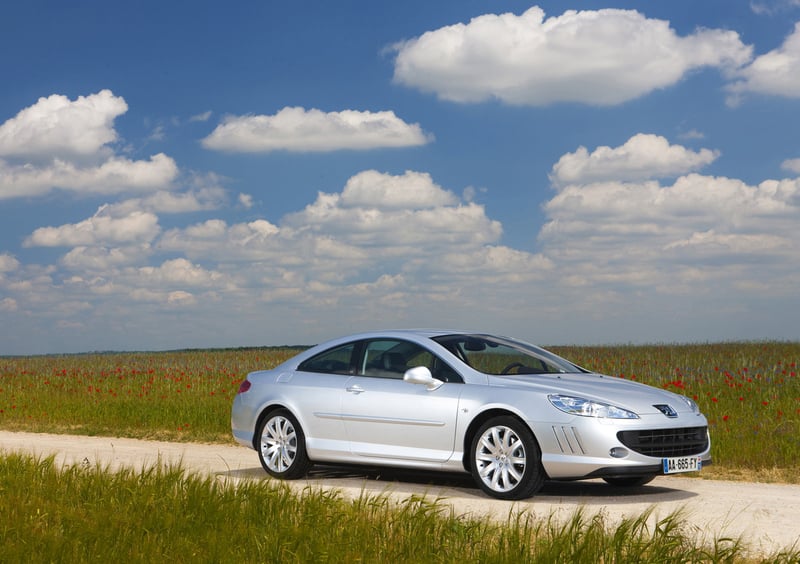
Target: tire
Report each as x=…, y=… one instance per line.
x=281, y=446
x=505, y=459
x=629, y=481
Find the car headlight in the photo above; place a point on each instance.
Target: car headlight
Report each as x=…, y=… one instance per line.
x=589, y=408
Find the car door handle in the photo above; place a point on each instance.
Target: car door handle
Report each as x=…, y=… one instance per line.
x=355, y=389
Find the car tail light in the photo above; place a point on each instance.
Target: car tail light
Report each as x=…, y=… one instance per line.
x=244, y=386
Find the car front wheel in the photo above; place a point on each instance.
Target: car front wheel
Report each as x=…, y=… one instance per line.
x=505, y=460
x=282, y=446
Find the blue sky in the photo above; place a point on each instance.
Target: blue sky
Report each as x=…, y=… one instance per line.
x=208, y=174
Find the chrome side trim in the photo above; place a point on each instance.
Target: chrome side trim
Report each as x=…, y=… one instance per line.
x=373, y=419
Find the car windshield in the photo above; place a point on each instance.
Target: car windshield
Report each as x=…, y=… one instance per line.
x=500, y=356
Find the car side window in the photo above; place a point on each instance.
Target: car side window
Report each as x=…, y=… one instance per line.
x=390, y=358
x=384, y=359
x=333, y=361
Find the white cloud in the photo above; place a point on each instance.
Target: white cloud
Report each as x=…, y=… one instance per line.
x=396, y=213
x=642, y=157
x=205, y=116
x=696, y=233
x=62, y=144
x=772, y=7
x=412, y=190
x=204, y=199
x=62, y=128
x=602, y=57
x=179, y=271
x=298, y=129
x=8, y=304
x=102, y=259
x=710, y=243
x=215, y=240
x=384, y=247
x=8, y=263
x=135, y=227
x=776, y=73
x=114, y=176
x=792, y=165
x=181, y=298
x=379, y=226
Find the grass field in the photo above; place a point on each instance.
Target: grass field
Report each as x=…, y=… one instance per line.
x=160, y=514
x=749, y=391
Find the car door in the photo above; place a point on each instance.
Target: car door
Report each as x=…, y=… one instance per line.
x=317, y=387
x=386, y=417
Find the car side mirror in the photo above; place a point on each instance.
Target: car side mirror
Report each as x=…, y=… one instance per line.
x=422, y=375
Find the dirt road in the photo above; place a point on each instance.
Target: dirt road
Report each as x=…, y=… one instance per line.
x=766, y=516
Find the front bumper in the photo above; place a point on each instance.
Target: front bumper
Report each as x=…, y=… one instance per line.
x=589, y=448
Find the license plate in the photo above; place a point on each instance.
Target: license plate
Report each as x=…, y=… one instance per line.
x=682, y=464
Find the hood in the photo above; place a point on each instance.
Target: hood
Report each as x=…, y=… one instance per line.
x=634, y=396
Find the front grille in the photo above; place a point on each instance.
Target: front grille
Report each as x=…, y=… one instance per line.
x=666, y=442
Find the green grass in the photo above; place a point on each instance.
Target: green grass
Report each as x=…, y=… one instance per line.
x=183, y=396
x=89, y=514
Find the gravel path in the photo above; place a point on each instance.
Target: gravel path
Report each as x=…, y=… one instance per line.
x=766, y=516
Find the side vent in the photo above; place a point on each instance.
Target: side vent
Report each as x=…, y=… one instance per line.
x=568, y=440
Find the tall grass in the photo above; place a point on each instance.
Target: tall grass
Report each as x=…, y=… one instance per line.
x=88, y=514
x=183, y=395
x=749, y=391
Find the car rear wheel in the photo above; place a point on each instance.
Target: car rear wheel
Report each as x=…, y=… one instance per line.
x=282, y=446
x=628, y=481
x=505, y=460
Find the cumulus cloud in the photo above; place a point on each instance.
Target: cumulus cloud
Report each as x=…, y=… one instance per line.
x=776, y=73
x=102, y=259
x=792, y=165
x=380, y=228
x=59, y=127
x=174, y=282
x=204, y=199
x=114, y=176
x=687, y=233
x=298, y=129
x=8, y=263
x=216, y=240
x=602, y=57
x=403, y=215
x=396, y=212
x=179, y=271
x=642, y=157
x=412, y=190
x=101, y=228
x=58, y=143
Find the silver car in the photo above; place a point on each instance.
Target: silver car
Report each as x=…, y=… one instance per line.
x=510, y=413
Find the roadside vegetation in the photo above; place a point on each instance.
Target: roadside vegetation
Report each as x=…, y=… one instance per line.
x=89, y=514
x=750, y=393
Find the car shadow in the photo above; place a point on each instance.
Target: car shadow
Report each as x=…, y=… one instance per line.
x=446, y=484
